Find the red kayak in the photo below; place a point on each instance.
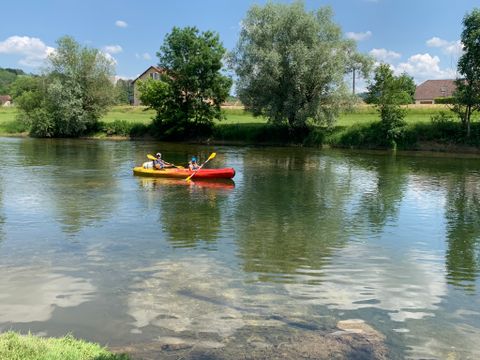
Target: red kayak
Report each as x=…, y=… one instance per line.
x=225, y=173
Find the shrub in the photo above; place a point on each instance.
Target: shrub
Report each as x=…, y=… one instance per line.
x=444, y=100
x=117, y=127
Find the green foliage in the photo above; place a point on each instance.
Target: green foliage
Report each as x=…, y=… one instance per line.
x=467, y=95
x=123, y=128
x=445, y=100
x=402, y=87
x=188, y=96
x=408, y=88
x=7, y=78
x=24, y=84
x=444, y=128
x=387, y=93
x=28, y=347
x=291, y=64
x=74, y=93
x=123, y=92
x=255, y=133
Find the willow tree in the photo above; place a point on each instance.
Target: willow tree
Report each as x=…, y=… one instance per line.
x=291, y=64
x=72, y=95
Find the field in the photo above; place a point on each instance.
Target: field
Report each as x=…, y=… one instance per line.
x=234, y=115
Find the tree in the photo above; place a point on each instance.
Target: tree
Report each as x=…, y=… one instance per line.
x=387, y=92
x=7, y=77
x=403, y=85
x=467, y=95
x=291, y=64
x=72, y=95
x=123, y=91
x=190, y=91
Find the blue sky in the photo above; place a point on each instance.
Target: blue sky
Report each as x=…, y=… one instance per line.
x=420, y=37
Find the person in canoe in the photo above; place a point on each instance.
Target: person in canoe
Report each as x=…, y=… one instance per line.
x=159, y=163
x=192, y=164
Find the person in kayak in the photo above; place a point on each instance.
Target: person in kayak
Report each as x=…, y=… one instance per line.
x=192, y=165
x=159, y=164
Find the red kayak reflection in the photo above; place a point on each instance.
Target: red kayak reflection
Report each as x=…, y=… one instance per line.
x=222, y=184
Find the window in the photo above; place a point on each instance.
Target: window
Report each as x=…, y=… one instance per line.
x=155, y=76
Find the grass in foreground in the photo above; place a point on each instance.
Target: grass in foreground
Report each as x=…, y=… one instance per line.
x=14, y=346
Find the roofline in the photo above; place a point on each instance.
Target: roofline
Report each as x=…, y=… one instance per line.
x=151, y=66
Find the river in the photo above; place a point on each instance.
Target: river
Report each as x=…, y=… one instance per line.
x=300, y=240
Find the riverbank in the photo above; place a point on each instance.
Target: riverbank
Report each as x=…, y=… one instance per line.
x=14, y=346
x=354, y=130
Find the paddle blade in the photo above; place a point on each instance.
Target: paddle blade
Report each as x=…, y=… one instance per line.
x=151, y=157
x=211, y=156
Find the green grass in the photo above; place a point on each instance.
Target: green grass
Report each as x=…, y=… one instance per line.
x=14, y=346
x=135, y=114
x=367, y=114
x=8, y=121
x=359, y=128
x=240, y=116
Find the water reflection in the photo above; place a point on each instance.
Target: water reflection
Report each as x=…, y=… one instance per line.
x=77, y=178
x=381, y=199
x=303, y=239
x=294, y=218
x=190, y=212
x=38, y=291
x=463, y=231
x=2, y=216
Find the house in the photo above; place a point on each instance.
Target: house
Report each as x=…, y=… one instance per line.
x=153, y=72
x=5, y=100
x=428, y=91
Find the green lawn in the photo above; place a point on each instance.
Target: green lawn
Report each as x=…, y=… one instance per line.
x=415, y=114
x=140, y=115
x=137, y=114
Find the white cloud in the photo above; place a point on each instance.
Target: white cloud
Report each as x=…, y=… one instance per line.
x=33, y=50
x=121, y=24
x=448, y=47
x=423, y=67
x=144, y=56
x=113, y=49
x=123, y=77
x=384, y=55
x=110, y=57
x=360, y=36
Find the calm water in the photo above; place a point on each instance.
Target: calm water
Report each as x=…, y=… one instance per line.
x=302, y=239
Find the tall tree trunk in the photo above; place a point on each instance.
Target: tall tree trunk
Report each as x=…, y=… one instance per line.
x=469, y=113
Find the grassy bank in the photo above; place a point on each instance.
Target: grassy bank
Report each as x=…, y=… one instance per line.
x=357, y=129
x=14, y=346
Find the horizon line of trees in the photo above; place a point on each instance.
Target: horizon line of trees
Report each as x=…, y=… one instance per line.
x=290, y=65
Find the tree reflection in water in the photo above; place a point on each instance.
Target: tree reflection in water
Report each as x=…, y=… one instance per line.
x=191, y=212
x=463, y=230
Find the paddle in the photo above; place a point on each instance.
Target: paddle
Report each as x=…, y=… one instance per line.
x=151, y=157
x=209, y=158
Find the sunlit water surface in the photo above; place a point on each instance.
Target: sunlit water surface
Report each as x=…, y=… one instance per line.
x=302, y=238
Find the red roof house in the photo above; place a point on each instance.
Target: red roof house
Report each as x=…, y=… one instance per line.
x=428, y=91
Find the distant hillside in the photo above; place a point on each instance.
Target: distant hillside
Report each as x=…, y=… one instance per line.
x=7, y=77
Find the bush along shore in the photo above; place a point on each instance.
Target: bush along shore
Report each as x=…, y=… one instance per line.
x=425, y=129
